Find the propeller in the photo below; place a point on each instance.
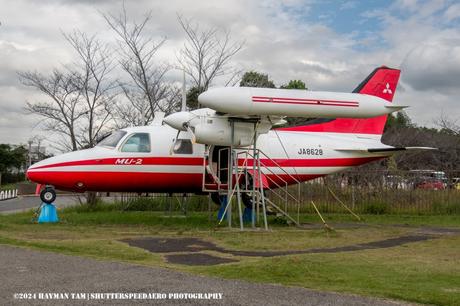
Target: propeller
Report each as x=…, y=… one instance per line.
x=171, y=148
x=191, y=133
x=183, y=109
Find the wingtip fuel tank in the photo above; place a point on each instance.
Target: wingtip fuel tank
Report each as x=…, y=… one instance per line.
x=294, y=103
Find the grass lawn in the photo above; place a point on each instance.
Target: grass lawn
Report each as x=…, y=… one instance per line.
x=424, y=272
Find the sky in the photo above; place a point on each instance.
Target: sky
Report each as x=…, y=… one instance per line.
x=330, y=45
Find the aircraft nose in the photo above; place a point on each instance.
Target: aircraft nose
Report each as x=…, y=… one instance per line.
x=33, y=173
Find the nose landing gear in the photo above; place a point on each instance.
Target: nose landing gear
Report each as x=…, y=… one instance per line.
x=48, y=212
x=48, y=195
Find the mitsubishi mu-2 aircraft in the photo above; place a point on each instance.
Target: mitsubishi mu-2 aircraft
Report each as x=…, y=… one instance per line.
x=180, y=154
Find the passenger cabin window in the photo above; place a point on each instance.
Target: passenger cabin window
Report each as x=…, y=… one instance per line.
x=112, y=140
x=139, y=142
x=183, y=146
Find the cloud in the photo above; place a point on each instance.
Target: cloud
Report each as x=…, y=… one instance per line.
x=453, y=12
x=283, y=39
x=434, y=66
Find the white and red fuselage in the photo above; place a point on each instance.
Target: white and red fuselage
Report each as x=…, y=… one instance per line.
x=309, y=155
x=304, y=152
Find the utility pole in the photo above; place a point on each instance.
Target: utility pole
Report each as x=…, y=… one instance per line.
x=30, y=151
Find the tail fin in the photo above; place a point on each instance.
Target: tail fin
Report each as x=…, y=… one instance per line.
x=382, y=83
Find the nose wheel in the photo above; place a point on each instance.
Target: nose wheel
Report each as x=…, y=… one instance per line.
x=48, y=195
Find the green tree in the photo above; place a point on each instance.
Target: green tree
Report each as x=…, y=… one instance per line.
x=294, y=121
x=294, y=84
x=4, y=157
x=256, y=79
x=192, y=97
x=11, y=158
x=398, y=120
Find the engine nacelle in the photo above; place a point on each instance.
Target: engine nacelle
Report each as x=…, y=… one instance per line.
x=213, y=129
x=218, y=131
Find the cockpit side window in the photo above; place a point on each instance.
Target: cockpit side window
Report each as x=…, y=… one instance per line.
x=138, y=142
x=112, y=140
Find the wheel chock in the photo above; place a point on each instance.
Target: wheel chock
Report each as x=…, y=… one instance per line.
x=48, y=214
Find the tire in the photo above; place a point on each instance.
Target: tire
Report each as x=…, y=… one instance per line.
x=215, y=197
x=48, y=195
x=247, y=200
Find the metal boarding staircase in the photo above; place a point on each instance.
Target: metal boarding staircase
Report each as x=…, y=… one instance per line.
x=251, y=172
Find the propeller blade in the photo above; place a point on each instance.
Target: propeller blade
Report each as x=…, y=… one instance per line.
x=171, y=149
x=192, y=135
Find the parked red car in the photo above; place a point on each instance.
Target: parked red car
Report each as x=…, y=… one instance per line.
x=432, y=184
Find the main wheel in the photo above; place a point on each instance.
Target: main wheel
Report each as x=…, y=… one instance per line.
x=215, y=197
x=247, y=201
x=48, y=195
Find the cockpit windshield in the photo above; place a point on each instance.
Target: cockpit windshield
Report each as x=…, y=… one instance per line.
x=112, y=140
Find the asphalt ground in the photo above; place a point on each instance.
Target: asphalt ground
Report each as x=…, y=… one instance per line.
x=30, y=273
x=24, y=203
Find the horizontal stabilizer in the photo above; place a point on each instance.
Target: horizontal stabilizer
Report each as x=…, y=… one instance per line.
x=395, y=108
x=385, y=149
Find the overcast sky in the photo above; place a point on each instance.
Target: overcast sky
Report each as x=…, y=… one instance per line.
x=331, y=45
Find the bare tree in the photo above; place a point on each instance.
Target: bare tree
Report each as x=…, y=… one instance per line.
x=80, y=95
x=206, y=54
x=449, y=125
x=148, y=91
x=94, y=82
x=62, y=110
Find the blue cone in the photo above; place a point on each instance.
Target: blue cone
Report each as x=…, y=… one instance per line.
x=48, y=214
x=247, y=215
x=223, y=205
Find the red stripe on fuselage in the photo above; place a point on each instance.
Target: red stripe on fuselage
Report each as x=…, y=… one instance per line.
x=319, y=162
x=172, y=161
x=170, y=182
x=179, y=161
x=120, y=181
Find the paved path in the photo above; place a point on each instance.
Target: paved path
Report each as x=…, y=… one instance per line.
x=31, y=202
x=29, y=271
x=25, y=203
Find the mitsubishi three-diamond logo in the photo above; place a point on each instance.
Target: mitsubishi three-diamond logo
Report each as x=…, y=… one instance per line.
x=387, y=89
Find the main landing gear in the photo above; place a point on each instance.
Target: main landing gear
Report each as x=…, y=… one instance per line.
x=47, y=210
x=48, y=195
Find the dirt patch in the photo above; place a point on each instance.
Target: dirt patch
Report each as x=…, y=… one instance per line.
x=439, y=230
x=197, y=259
x=194, y=245
x=173, y=245
x=381, y=244
x=336, y=225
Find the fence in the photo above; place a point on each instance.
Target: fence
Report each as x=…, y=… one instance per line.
x=365, y=192
x=386, y=192
x=8, y=194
